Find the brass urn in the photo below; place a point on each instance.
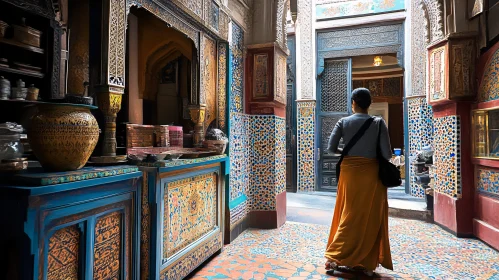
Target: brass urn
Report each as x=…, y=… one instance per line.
x=63, y=136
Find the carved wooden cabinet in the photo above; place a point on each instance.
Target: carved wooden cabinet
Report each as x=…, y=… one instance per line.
x=182, y=216
x=79, y=230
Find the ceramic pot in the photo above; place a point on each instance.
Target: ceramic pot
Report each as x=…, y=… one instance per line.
x=4, y=88
x=32, y=93
x=19, y=92
x=63, y=136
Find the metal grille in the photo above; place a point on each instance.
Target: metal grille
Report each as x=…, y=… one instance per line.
x=392, y=87
x=335, y=87
x=328, y=124
x=375, y=87
x=358, y=84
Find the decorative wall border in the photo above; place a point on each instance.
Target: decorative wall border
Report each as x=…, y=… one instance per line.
x=189, y=262
x=357, y=41
x=305, y=145
x=487, y=181
x=305, y=42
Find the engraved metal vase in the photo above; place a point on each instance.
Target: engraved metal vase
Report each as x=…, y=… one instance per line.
x=63, y=136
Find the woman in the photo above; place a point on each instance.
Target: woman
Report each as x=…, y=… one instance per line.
x=359, y=231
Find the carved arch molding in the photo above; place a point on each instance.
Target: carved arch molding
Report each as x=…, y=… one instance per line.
x=434, y=15
x=173, y=16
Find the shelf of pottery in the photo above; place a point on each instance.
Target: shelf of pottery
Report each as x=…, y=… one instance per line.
x=21, y=57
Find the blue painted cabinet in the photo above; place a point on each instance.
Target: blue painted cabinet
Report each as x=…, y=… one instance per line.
x=182, y=216
x=79, y=230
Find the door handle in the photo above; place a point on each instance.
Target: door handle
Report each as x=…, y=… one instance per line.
x=318, y=154
x=293, y=140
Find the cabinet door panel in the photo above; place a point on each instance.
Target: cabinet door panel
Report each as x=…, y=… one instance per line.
x=64, y=254
x=89, y=241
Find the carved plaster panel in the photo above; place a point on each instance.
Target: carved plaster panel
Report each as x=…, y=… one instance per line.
x=436, y=75
x=117, y=33
x=209, y=65
x=361, y=41
x=362, y=37
x=241, y=13
x=305, y=20
x=418, y=51
x=260, y=77
x=281, y=23
x=434, y=19
x=462, y=69
x=280, y=78
x=168, y=16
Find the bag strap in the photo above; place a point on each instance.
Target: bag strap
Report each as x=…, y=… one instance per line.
x=378, y=146
x=357, y=136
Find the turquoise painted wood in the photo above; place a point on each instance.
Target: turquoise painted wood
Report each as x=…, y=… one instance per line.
x=87, y=229
x=177, y=260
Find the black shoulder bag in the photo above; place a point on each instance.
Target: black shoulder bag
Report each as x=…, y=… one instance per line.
x=352, y=143
x=389, y=174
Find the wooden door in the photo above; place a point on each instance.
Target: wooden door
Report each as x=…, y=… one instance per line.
x=334, y=103
x=291, y=167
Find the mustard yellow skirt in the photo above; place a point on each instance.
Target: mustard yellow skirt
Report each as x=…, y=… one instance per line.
x=359, y=231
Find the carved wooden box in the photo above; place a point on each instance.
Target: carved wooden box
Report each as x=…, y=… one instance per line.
x=451, y=70
x=266, y=83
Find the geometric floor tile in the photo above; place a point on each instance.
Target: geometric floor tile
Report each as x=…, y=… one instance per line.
x=295, y=251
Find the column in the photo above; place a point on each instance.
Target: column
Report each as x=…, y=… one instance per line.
x=450, y=88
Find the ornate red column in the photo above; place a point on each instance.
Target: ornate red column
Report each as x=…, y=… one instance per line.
x=451, y=89
x=265, y=87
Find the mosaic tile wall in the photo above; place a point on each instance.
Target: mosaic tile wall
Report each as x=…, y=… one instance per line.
x=268, y=173
x=447, y=156
x=280, y=157
x=239, y=127
x=306, y=159
x=238, y=213
x=487, y=181
x=240, y=153
x=420, y=134
x=489, y=87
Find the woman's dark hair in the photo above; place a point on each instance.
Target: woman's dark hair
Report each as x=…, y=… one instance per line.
x=362, y=97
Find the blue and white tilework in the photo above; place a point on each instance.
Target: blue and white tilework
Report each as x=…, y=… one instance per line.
x=280, y=157
x=268, y=175
x=489, y=87
x=239, y=128
x=305, y=141
x=237, y=69
x=420, y=135
x=447, y=156
x=240, y=152
x=487, y=181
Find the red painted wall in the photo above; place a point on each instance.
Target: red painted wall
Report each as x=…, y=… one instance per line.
x=456, y=215
x=486, y=222
x=486, y=209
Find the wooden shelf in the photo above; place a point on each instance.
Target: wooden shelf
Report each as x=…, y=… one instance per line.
x=21, y=72
x=21, y=45
x=41, y=102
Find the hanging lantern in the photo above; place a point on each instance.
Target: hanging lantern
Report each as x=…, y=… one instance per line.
x=378, y=61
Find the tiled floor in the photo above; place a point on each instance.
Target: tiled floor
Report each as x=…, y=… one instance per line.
x=420, y=251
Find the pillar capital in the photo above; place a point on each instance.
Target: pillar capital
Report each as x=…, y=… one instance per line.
x=451, y=70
